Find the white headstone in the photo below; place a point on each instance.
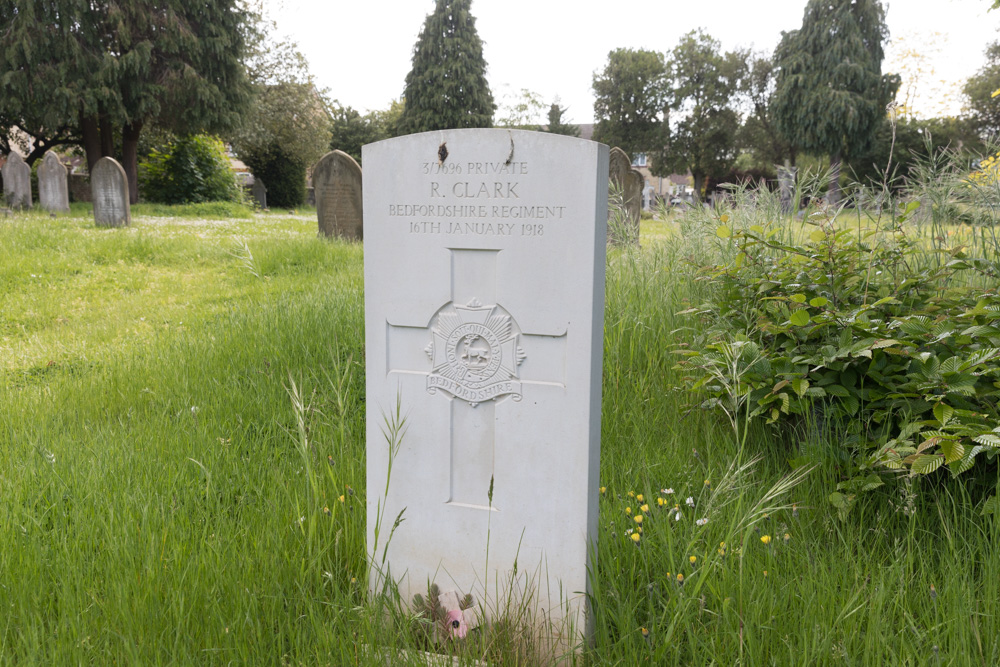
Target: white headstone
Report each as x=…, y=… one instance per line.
x=109, y=191
x=16, y=182
x=53, y=186
x=484, y=311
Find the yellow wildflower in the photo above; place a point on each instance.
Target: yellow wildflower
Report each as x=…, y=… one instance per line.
x=766, y=539
x=660, y=502
x=680, y=578
x=644, y=508
x=639, y=498
x=635, y=537
x=341, y=499
x=637, y=518
x=603, y=489
x=692, y=559
x=631, y=494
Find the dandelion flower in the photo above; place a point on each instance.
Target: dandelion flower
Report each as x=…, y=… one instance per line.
x=603, y=490
x=690, y=501
x=631, y=494
x=645, y=633
x=341, y=498
x=639, y=498
x=661, y=502
x=766, y=539
x=680, y=578
x=628, y=510
x=644, y=508
x=692, y=559
x=708, y=482
x=637, y=518
x=635, y=537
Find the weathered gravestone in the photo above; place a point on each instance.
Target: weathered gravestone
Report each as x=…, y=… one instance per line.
x=337, y=182
x=484, y=307
x=259, y=192
x=53, y=186
x=109, y=189
x=630, y=182
x=16, y=182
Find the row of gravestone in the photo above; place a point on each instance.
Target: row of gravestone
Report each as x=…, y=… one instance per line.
x=336, y=178
x=108, y=184
x=338, y=186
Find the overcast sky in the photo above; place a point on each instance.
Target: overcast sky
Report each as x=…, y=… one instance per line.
x=361, y=50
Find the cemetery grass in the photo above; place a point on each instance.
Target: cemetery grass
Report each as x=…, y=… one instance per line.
x=182, y=461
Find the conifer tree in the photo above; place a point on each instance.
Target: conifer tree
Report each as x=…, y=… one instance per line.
x=831, y=93
x=447, y=87
x=556, y=124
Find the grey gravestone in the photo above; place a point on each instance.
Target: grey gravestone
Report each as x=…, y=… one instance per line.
x=630, y=182
x=484, y=309
x=109, y=190
x=337, y=181
x=259, y=192
x=16, y=182
x=786, y=188
x=53, y=186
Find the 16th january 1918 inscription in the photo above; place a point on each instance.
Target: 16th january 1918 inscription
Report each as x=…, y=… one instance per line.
x=476, y=199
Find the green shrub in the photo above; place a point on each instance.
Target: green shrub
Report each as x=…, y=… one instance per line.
x=284, y=176
x=862, y=328
x=189, y=170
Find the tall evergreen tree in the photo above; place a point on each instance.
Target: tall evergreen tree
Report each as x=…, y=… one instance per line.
x=831, y=93
x=556, y=124
x=96, y=72
x=447, y=87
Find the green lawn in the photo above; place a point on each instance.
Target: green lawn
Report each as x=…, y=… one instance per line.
x=182, y=474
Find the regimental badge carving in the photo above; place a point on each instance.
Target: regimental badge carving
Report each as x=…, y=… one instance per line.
x=475, y=353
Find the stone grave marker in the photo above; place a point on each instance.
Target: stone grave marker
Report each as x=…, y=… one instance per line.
x=259, y=192
x=16, y=182
x=484, y=309
x=53, y=186
x=630, y=182
x=109, y=189
x=337, y=182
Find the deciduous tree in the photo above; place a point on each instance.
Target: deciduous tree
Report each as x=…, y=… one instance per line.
x=983, y=107
x=703, y=84
x=629, y=100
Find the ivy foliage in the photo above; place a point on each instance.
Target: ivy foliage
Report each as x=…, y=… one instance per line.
x=855, y=327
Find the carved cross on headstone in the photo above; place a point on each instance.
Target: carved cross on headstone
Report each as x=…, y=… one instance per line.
x=472, y=352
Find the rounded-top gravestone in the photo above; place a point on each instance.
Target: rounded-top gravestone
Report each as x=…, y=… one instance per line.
x=53, y=188
x=16, y=182
x=630, y=182
x=337, y=182
x=109, y=188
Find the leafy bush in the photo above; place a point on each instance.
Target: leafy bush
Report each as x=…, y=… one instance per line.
x=862, y=328
x=189, y=170
x=284, y=176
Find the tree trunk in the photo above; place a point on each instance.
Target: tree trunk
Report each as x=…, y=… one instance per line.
x=833, y=193
x=130, y=162
x=699, y=180
x=107, y=136
x=91, y=140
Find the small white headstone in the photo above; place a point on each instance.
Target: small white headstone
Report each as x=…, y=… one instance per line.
x=53, y=188
x=16, y=182
x=109, y=190
x=484, y=311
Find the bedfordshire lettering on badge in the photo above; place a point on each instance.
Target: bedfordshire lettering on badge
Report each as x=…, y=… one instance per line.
x=475, y=353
